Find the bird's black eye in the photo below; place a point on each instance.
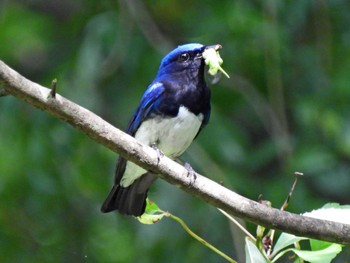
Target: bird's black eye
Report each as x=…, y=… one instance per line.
x=184, y=57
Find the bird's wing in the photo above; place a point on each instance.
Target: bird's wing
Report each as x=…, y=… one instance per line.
x=147, y=106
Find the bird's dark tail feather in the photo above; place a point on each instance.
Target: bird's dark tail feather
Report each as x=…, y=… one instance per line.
x=129, y=200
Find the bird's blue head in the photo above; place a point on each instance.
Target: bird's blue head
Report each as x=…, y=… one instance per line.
x=185, y=58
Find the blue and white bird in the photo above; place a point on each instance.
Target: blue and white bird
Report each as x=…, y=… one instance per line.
x=171, y=113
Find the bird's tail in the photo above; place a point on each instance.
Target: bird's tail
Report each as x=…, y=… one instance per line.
x=129, y=200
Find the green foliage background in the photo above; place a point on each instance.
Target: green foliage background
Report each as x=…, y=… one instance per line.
x=284, y=109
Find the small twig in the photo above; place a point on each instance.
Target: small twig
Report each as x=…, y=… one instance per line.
x=245, y=231
x=285, y=205
x=286, y=202
x=198, y=238
x=53, y=88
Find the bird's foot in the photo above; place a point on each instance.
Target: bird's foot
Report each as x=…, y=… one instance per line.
x=160, y=154
x=191, y=174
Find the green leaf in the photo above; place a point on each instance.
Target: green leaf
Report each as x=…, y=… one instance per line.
x=153, y=214
x=332, y=212
x=319, y=244
x=152, y=207
x=319, y=256
x=324, y=255
x=336, y=205
x=253, y=254
x=286, y=240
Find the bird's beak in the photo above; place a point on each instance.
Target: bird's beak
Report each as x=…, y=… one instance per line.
x=217, y=47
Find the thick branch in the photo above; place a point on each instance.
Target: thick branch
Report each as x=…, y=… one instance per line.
x=205, y=189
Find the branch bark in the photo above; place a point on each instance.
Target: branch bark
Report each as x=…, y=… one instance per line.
x=146, y=157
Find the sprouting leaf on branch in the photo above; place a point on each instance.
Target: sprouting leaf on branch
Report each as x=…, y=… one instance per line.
x=153, y=214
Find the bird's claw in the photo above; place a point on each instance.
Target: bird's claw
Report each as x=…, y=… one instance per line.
x=191, y=174
x=160, y=154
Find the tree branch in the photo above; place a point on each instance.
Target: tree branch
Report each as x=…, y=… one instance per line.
x=146, y=157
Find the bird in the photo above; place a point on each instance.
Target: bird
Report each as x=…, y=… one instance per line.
x=172, y=112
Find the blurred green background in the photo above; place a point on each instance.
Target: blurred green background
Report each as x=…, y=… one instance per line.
x=284, y=109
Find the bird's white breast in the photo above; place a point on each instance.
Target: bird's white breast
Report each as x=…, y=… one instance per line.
x=171, y=135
